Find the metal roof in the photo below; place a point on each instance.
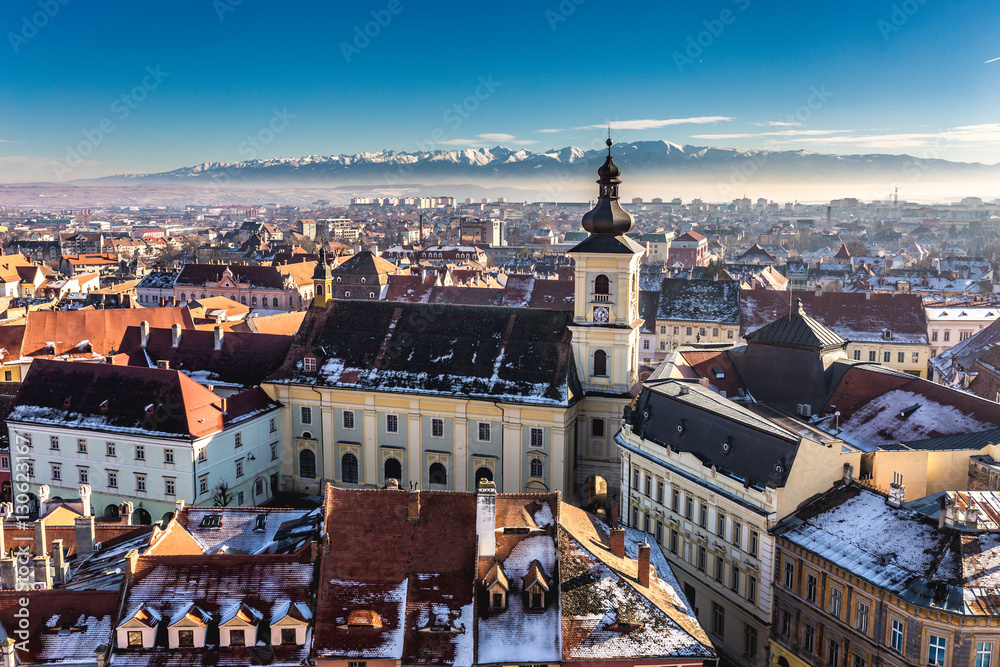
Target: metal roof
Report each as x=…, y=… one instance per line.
x=797, y=329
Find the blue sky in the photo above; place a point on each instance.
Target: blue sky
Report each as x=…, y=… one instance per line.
x=122, y=87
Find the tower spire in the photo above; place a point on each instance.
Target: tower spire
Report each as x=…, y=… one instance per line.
x=608, y=217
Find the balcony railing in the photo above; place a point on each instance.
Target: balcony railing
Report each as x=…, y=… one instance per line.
x=602, y=298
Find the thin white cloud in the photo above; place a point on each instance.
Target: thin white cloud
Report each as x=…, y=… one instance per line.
x=778, y=123
x=550, y=130
x=650, y=124
x=965, y=135
x=462, y=142
x=489, y=138
x=991, y=61
x=496, y=137
x=782, y=133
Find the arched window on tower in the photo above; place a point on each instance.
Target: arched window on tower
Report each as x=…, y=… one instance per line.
x=319, y=290
x=601, y=363
x=537, y=469
x=602, y=285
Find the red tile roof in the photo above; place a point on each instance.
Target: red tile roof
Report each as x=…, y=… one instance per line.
x=89, y=616
x=103, y=329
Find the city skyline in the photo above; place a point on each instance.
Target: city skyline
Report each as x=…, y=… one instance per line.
x=145, y=89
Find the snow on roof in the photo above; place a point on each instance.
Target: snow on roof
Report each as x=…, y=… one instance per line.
x=238, y=529
x=516, y=634
x=880, y=420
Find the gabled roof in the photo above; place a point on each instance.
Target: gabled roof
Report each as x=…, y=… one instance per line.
x=199, y=275
x=61, y=627
x=855, y=316
x=518, y=355
x=245, y=360
x=90, y=396
x=606, y=243
x=365, y=263
x=607, y=585
x=797, y=330
x=495, y=576
x=102, y=329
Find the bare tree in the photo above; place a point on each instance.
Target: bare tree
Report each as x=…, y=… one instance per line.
x=222, y=495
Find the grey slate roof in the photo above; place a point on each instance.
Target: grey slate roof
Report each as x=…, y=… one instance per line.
x=690, y=418
x=649, y=302
x=609, y=244
x=699, y=300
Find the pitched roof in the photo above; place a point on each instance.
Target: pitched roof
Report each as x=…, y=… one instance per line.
x=245, y=360
x=855, y=316
x=199, y=275
x=102, y=329
x=365, y=263
x=797, y=330
x=716, y=301
x=61, y=627
x=396, y=568
x=508, y=354
x=281, y=324
x=608, y=588
x=690, y=418
x=90, y=396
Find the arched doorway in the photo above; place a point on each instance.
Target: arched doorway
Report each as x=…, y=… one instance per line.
x=141, y=517
x=111, y=511
x=392, y=469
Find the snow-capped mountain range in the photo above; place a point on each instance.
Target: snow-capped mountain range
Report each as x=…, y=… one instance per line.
x=639, y=161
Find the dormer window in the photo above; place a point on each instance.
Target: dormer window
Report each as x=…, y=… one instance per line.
x=134, y=639
x=309, y=364
x=185, y=638
x=536, y=585
x=497, y=586
x=288, y=636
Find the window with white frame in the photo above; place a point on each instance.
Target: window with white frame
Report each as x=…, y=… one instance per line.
x=239, y=468
x=81, y=445
x=861, y=616
x=484, y=431
x=56, y=472
x=274, y=451
x=112, y=479
x=84, y=475
x=437, y=428
x=168, y=455
x=984, y=654
x=272, y=426
x=238, y=440
x=168, y=487
x=309, y=364
x=349, y=419
x=937, y=647
x=53, y=442
x=392, y=423
x=140, y=482
x=111, y=449
x=203, y=455
x=140, y=453
x=203, y=485
x=896, y=635
x=537, y=437
x=836, y=597
x=306, y=415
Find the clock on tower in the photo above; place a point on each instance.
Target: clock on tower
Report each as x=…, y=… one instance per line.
x=601, y=314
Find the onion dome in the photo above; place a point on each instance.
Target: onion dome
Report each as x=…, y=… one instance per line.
x=608, y=217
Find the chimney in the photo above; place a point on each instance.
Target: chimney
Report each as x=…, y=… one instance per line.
x=143, y=333
x=819, y=290
x=897, y=494
x=224, y=405
x=131, y=561
x=85, y=497
x=848, y=473
x=59, y=561
x=8, y=574
x=486, y=518
x=43, y=575
x=868, y=296
x=218, y=338
x=413, y=508
x=43, y=498
x=613, y=512
x=179, y=505
x=41, y=544
x=84, y=536
x=126, y=512
x=644, y=565
x=971, y=517
x=618, y=542
x=175, y=335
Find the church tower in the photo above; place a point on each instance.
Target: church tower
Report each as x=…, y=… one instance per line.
x=322, y=281
x=605, y=328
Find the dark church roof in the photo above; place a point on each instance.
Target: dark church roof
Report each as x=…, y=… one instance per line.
x=699, y=300
x=518, y=355
x=608, y=217
x=797, y=329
